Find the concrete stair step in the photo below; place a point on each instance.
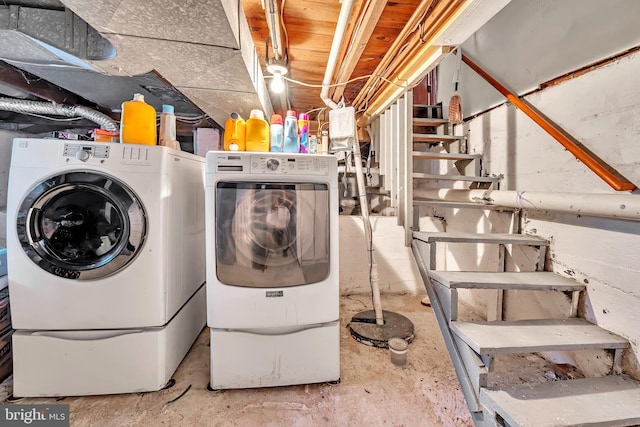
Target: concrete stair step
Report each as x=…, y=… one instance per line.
x=435, y=138
x=445, y=156
x=429, y=121
x=530, y=281
x=538, y=335
x=606, y=401
x=426, y=176
x=497, y=238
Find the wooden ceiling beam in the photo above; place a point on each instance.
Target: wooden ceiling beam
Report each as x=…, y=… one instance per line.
x=411, y=25
x=416, y=43
x=367, y=21
x=410, y=50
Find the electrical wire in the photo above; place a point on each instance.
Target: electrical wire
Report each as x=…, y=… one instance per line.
x=55, y=119
x=284, y=29
x=341, y=83
x=197, y=119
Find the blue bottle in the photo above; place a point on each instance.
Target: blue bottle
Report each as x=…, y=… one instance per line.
x=291, y=139
x=277, y=133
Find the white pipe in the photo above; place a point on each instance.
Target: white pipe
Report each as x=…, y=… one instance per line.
x=273, y=23
x=341, y=26
x=368, y=233
x=622, y=206
x=343, y=19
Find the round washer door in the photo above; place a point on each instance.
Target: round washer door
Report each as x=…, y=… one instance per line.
x=81, y=225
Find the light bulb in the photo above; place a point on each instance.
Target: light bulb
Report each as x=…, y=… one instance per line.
x=277, y=84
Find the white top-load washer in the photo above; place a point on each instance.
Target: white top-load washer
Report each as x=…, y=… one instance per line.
x=272, y=268
x=98, y=234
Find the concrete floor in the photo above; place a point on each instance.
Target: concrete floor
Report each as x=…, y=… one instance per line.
x=372, y=392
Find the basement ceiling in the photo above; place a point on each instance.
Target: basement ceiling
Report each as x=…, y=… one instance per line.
x=310, y=26
x=201, y=55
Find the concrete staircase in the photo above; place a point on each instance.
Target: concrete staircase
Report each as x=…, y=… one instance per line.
x=440, y=159
x=475, y=346
x=612, y=400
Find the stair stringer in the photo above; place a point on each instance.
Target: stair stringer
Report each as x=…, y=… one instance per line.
x=457, y=352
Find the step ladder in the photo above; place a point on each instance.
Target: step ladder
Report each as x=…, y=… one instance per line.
x=612, y=400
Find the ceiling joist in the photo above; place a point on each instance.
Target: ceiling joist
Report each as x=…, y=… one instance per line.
x=354, y=45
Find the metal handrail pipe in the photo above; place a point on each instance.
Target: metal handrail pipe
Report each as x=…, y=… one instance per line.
x=616, y=206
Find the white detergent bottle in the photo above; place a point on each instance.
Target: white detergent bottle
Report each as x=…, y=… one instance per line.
x=291, y=138
x=168, y=128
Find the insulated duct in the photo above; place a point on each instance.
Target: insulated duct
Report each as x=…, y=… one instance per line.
x=39, y=107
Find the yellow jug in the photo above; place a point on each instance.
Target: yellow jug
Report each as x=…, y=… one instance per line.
x=234, y=133
x=257, y=132
x=138, y=122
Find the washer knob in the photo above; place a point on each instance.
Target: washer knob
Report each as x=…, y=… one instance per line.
x=83, y=155
x=273, y=164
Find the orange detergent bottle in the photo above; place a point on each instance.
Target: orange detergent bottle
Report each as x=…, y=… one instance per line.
x=234, y=133
x=138, y=122
x=257, y=132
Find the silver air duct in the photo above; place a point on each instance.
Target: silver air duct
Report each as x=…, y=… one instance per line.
x=38, y=107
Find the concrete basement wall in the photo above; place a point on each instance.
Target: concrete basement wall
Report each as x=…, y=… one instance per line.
x=397, y=269
x=539, y=41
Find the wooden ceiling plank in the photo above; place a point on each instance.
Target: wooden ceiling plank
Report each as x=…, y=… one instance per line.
x=368, y=22
x=310, y=26
x=404, y=48
x=416, y=41
x=412, y=23
x=422, y=52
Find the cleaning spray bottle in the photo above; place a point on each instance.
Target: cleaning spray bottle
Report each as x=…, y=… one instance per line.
x=303, y=128
x=138, y=122
x=291, y=141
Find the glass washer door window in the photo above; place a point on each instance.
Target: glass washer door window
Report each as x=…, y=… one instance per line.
x=271, y=235
x=81, y=225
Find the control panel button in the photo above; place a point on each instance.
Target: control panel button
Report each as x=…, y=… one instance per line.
x=83, y=155
x=273, y=164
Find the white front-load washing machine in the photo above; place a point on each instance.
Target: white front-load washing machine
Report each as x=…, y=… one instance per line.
x=272, y=269
x=106, y=265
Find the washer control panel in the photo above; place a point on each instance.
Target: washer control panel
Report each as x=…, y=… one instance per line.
x=84, y=152
x=272, y=164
